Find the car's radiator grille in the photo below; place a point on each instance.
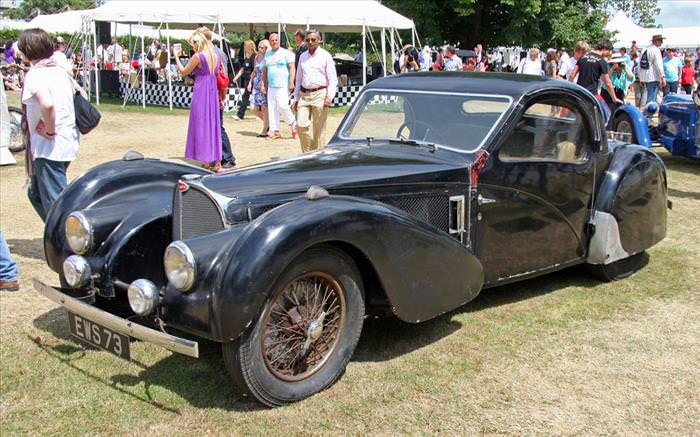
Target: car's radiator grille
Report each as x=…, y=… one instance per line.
x=198, y=215
x=433, y=210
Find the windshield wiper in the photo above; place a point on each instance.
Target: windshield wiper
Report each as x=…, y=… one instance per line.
x=431, y=146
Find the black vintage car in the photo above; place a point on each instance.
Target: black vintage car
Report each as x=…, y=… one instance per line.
x=434, y=187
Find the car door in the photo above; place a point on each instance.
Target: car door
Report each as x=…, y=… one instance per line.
x=534, y=193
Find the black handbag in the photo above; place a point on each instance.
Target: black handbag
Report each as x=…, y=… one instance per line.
x=87, y=117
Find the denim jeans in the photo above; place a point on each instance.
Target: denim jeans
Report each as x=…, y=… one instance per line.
x=8, y=266
x=226, y=153
x=670, y=88
x=46, y=185
x=652, y=91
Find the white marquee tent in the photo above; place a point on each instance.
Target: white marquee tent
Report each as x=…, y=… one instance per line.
x=362, y=16
x=628, y=31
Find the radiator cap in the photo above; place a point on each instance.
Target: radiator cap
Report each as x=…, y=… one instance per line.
x=132, y=155
x=316, y=192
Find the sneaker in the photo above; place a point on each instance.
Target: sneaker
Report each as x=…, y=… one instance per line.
x=228, y=164
x=294, y=131
x=9, y=285
x=236, y=117
x=275, y=136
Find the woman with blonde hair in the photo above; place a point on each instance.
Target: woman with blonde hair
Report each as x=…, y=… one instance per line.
x=245, y=72
x=259, y=97
x=204, y=130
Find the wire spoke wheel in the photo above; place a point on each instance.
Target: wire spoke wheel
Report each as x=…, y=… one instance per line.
x=303, y=325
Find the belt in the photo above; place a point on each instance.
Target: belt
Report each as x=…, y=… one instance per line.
x=311, y=90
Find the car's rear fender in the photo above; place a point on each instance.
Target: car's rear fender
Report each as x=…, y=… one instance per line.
x=423, y=271
x=629, y=215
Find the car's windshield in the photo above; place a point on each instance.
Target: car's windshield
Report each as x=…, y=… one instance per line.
x=457, y=121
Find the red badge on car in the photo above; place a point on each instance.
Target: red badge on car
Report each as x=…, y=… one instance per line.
x=182, y=187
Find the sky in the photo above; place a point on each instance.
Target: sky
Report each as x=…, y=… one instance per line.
x=679, y=13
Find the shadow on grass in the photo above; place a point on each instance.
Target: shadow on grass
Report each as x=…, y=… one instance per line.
x=28, y=248
x=205, y=383
x=681, y=164
x=672, y=192
x=247, y=133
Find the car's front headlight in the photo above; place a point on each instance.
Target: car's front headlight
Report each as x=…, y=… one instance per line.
x=78, y=233
x=180, y=267
x=77, y=271
x=143, y=296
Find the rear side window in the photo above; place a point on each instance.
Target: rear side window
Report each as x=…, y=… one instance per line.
x=549, y=130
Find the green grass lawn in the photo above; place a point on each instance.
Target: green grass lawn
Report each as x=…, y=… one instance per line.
x=559, y=354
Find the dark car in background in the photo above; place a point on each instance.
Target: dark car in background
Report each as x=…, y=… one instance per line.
x=430, y=191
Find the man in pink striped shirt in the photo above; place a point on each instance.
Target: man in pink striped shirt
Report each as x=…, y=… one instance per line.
x=315, y=86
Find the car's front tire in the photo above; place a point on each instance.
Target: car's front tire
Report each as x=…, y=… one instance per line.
x=306, y=332
x=623, y=123
x=619, y=269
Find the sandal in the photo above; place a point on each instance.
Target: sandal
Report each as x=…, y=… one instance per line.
x=264, y=133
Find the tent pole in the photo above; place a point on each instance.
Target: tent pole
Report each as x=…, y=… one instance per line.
x=129, y=36
x=251, y=28
x=167, y=69
x=97, y=71
x=384, y=50
x=143, y=69
x=364, y=56
x=393, y=48
x=413, y=36
x=84, y=48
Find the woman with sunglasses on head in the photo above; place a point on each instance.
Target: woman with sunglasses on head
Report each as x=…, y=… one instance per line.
x=254, y=86
x=204, y=131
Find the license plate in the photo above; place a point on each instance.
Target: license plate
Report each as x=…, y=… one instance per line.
x=99, y=336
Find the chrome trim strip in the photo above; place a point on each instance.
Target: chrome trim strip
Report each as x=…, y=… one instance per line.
x=117, y=324
x=354, y=109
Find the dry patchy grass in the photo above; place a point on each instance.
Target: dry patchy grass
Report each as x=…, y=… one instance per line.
x=561, y=354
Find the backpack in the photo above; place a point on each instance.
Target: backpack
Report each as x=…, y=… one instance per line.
x=644, y=61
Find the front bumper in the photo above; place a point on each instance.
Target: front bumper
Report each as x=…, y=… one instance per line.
x=122, y=326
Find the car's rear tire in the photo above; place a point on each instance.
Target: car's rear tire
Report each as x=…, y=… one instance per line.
x=623, y=123
x=306, y=332
x=617, y=270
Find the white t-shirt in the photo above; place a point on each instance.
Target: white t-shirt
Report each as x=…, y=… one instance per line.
x=564, y=65
x=60, y=59
x=55, y=84
x=528, y=66
x=656, y=65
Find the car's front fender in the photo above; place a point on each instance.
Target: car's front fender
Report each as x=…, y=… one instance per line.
x=640, y=124
x=423, y=271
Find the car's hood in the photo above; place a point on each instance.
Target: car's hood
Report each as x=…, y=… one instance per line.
x=338, y=168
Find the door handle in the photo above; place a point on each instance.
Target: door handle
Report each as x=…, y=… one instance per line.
x=481, y=200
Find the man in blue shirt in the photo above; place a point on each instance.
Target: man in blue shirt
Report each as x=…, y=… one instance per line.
x=278, y=81
x=672, y=70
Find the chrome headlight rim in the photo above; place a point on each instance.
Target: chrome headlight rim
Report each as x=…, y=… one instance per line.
x=190, y=262
x=80, y=268
x=86, y=228
x=147, y=292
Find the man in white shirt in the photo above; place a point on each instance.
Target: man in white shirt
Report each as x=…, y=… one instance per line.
x=452, y=61
x=114, y=52
x=651, y=68
x=316, y=82
x=59, y=57
x=531, y=64
x=564, y=67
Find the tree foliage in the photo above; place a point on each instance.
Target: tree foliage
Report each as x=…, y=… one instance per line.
x=642, y=12
x=30, y=8
x=527, y=23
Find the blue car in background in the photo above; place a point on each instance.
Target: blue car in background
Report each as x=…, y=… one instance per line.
x=678, y=129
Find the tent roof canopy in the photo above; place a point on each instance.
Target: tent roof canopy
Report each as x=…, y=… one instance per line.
x=628, y=31
x=237, y=15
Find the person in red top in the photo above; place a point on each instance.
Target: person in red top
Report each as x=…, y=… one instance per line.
x=687, y=76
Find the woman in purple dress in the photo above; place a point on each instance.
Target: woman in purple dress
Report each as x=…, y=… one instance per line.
x=204, y=131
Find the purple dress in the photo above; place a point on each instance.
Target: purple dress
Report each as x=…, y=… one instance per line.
x=204, y=131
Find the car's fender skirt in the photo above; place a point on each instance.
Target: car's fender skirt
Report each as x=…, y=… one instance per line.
x=633, y=191
x=423, y=271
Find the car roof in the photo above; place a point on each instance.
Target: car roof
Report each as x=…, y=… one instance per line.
x=509, y=84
